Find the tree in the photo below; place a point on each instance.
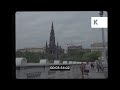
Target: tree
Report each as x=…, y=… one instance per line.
x=64, y=57
x=50, y=58
x=31, y=56
x=75, y=55
x=91, y=57
x=19, y=54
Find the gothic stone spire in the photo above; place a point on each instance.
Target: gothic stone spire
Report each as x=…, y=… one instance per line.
x=52, y=37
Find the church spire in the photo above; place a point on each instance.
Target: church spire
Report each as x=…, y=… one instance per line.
x=52, y=29
x=52, y=37
x=52, y=25
x=52, y=48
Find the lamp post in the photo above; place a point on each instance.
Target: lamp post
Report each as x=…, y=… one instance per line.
x=103, y=38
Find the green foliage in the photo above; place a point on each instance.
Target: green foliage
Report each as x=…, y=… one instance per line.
x=32, y=57
x=92, y=56
x=50, y=58
x=80, y=56
x=70, y=56
x=63, y=57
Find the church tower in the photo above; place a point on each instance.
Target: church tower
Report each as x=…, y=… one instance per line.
x=52, y=50
x=52, y=46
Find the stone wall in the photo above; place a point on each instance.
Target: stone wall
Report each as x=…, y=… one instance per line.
x=42, y=71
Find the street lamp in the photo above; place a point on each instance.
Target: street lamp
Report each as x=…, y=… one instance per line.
x=103, y=39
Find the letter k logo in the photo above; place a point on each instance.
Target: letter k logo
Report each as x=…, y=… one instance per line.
x=95, y=22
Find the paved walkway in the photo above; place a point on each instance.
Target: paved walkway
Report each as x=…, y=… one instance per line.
x=95, y=75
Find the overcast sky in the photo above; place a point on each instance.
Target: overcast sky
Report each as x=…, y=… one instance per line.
x=33, y=28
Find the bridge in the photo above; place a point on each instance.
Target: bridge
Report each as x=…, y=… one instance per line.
x=42, y=71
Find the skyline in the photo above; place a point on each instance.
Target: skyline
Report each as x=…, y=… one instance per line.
x=33, y=28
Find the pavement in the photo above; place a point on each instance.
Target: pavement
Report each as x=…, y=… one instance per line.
x=95, y=75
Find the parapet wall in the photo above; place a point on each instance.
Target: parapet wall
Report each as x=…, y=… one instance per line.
x=42, y=71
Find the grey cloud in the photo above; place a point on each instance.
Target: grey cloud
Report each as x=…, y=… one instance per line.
x=33, y=28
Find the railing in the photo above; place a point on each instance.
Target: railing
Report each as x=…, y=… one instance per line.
x=42, y=71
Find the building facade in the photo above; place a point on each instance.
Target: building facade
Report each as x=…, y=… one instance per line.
x=42, y=50
x=98, y=47
x=74, y=48
x=77, y=48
